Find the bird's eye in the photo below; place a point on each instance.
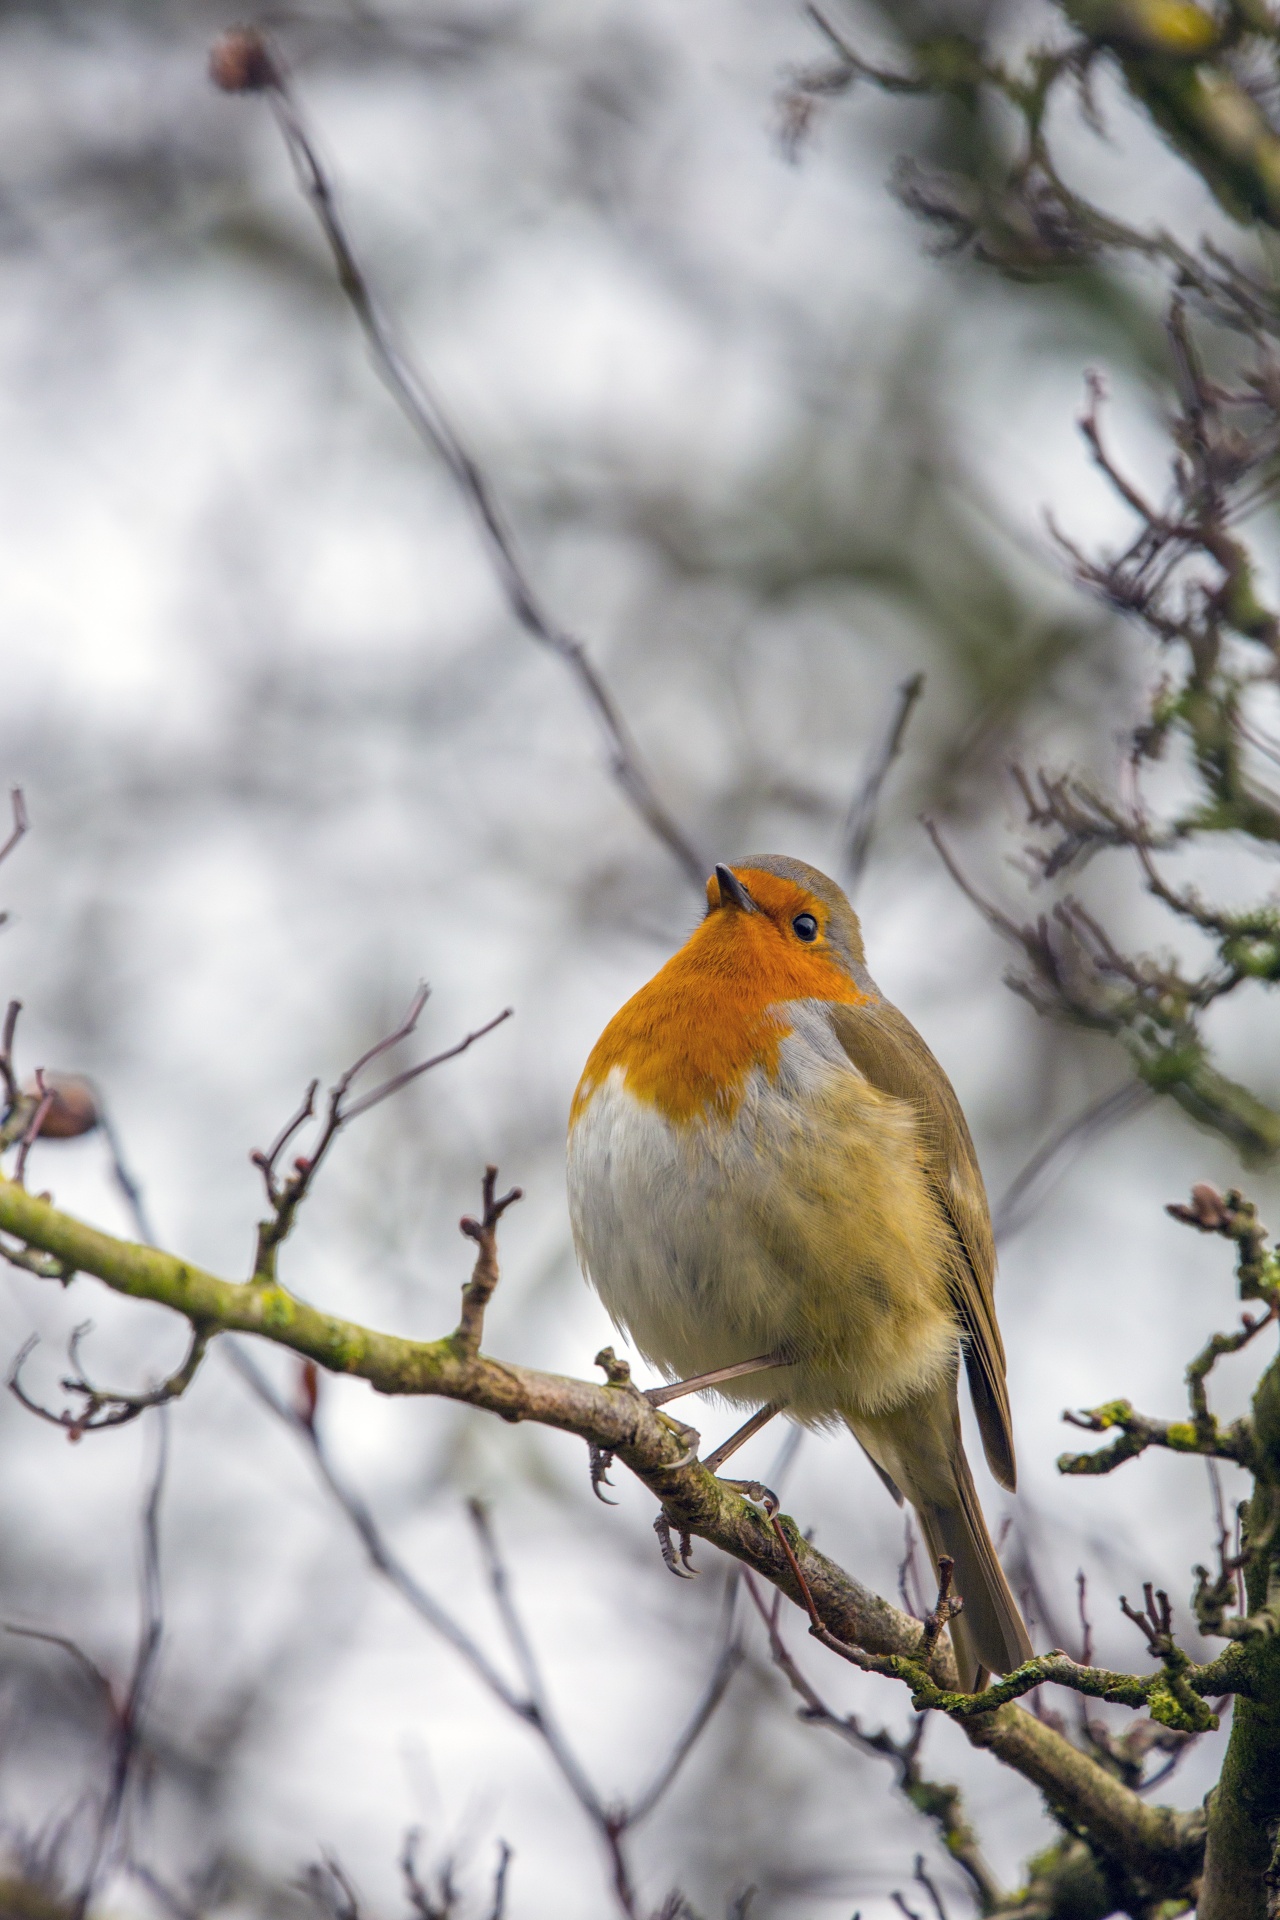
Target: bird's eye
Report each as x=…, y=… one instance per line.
x=805, y=927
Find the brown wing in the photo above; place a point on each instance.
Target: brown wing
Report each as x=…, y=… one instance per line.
x=883, y=1044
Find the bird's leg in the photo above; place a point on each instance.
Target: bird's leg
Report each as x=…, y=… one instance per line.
x=659, y=1396
x=714, y=1461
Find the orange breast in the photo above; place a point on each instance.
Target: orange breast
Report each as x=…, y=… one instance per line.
x=688, y=1041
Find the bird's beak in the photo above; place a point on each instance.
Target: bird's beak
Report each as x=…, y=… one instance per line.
x=732, y=891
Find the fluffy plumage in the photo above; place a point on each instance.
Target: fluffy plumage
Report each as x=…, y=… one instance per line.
x=764, y=1156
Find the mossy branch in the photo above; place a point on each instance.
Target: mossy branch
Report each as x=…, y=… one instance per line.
x=1158, y=1847
x=1137, y=1432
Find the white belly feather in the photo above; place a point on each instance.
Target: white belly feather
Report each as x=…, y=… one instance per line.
x=805, y=1224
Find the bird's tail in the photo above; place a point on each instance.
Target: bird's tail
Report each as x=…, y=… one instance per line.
x=919, y=1449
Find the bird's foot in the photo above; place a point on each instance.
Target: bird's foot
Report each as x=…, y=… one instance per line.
x=684, y=1569
x=601, y=1459
x=692, y=1441
x=758, y=1494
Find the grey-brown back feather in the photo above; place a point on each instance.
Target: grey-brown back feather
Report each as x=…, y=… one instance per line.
x=883, y=1045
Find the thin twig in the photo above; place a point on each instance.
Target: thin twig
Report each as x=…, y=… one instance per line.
x=479, y=1290
x=940, y=1803
x=732, y=1654
x=87, y=1666
x=530, y=1704
x=39, y=1114
x=125, y=1180
x=128, y=1714
x=7, y=1074
x=860, y=821
x=537, y=1710
x=422, y=408
x=20, y=821
x=382, y=1556
x=104, y=1406
x=1038, y=1176
x=286, y=1196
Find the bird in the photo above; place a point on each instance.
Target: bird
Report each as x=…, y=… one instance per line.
x=774, y=1192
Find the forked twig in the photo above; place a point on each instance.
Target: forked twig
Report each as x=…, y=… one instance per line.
x=21, y=823
x=479, y=1290
x=942, y=1804
x=284, y=1197
x=126, y=1705
x=39, y=1114
x=103, y=1406
x=529, y=1701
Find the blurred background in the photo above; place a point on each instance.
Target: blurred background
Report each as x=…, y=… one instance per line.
x=286, y=753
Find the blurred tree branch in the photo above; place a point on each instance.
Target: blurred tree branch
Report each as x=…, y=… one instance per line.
x=243, y=62
x=613, y=1821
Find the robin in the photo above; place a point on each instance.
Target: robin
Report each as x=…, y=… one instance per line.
x=774, y=1192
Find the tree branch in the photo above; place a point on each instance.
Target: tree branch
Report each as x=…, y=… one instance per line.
x=243, y=62
x=1158, y=1845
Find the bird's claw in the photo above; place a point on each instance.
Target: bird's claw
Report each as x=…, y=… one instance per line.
x=601, y=1460
x=757, y=1493
x=692, y=1441
x=662, y=1527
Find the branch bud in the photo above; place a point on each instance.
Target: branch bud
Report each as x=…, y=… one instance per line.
x=240, y=61
x=307, y=1394
x=73, y=1109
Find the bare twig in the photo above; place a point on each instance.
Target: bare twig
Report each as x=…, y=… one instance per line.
x=286, y=1196
x=21, y=823
x=39, y=1114
x=731, y=1657
x=8, y=1077
x=426, y=1905
x=940, y=1803
x=1086, y=1624
x=92, y=1671
x=922, y=1878
x=127, y=1711
x=536, y=1709
x=1038, y=1176
x=423, y=410
x=499, y=1906
x=860, y=821
x=944, y=1609
x=105, y=1406
x=478, y=1291
x=529, y=1703
x=332, y=1890
x=381, y=1555
x=125, y=1180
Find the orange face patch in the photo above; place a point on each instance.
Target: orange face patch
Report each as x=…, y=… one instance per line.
x=689, y=1039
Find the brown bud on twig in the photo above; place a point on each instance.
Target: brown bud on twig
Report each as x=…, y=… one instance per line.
x=240, y=61
x=1207, y=1210
x=307, y=1394
x=72, y=1105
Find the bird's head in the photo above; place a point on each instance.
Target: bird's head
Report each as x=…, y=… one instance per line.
x=777, y=915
